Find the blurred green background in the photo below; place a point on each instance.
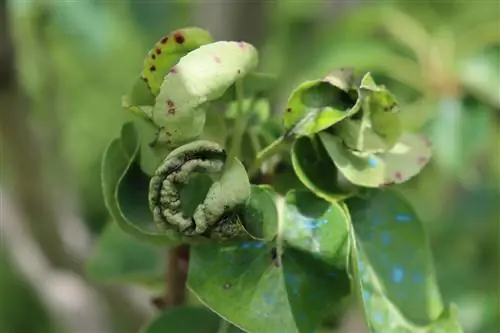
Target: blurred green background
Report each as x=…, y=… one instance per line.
x=75, y=59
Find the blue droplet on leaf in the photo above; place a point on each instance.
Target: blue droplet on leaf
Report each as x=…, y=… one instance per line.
x=397, y=274
x=366, y=295
x=372, y=161
x=386, y=238
x=403, y=218
x=378, y=317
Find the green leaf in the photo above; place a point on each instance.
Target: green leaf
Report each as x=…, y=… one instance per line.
x=402, y=162
x=168, y=51
x=120, y=258
x=316, y=171
x=124, y=184
x=357, y=136
x=287, y=285
x=260, y=216
x=385, y=119
x=392, y=267
x=319, y=104
x=201, y=76
x=139, y=100
x=186, y=319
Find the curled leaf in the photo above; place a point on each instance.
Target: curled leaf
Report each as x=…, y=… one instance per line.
x=317, y=105
x=201, y=76
x=402, y=162
x=379, y=127
x=313, y=167
x=216, y=214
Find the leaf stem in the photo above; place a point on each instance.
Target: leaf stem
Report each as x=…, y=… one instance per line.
x=239, y=127
x=266, y=153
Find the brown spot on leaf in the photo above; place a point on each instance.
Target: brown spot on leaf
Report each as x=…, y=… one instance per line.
x=289, y=110
x=153, y=56
x=158, y=51
x=422, y=160
x=171, y=111
x=152, y=68
x=164, y=40
x=173, y=70
x=170, y=103
x=168, y=133
x=398, y=176
x=179, y=38
x=145, y=79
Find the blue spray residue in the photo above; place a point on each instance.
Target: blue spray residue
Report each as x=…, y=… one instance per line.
x=403, y=218
x=372, y=161
x=378, y=318
x=397, y=274
x=252, y=245
x=294, y=282
x=269, y=299
x=366, y=295
x=386, y=238
x=418, y=278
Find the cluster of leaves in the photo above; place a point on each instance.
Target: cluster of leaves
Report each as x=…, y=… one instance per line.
x=286, y=218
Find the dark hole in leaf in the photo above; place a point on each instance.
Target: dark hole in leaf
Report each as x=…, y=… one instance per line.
x=274, y=257
x=325, y=95
x=194, y=192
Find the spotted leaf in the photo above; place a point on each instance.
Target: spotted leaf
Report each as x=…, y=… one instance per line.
x=201, y=76
x=168, y=51
x=284, y=285
x=318, y=104
x=402, y=162
x=392, y=268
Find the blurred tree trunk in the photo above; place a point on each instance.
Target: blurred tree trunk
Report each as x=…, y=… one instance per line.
x=26, y=154
x=238, y=20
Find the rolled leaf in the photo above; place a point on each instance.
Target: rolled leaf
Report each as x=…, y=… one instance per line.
x=201, y=76
x=405, y=160
x=220, y=202
x=317, y=105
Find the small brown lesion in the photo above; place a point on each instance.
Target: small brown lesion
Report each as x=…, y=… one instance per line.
x=164, y=40
x=179, y=38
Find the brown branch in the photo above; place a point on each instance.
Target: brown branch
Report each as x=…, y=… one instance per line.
x=176, y=272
